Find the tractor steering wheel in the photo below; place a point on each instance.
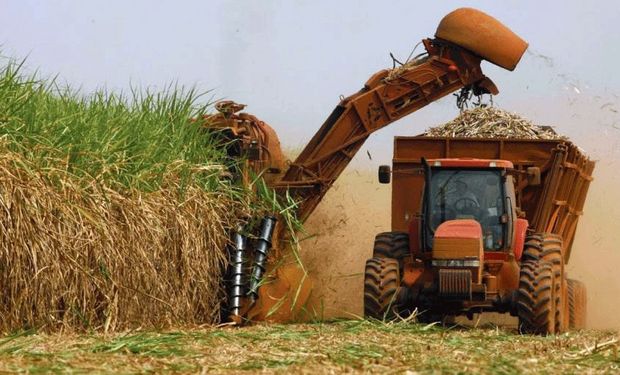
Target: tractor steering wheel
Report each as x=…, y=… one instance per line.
x=466, y=205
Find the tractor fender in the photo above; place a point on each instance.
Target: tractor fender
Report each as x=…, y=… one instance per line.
x=520, y=233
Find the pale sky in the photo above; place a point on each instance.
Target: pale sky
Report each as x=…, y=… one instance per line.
x=289, y=61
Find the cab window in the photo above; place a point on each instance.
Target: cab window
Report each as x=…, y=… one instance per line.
x=469, y=194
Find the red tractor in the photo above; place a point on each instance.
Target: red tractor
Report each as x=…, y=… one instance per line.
x=481, y=225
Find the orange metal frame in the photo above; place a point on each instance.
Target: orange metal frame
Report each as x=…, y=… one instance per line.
x=385, y=98
x=463, y=39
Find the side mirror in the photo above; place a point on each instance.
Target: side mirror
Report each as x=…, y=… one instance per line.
x=533, y=176
x=385, y=174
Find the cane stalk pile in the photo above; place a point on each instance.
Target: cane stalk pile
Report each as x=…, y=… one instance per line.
x=492, y=122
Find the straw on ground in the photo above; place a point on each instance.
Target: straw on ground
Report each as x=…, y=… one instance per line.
x=346, y=346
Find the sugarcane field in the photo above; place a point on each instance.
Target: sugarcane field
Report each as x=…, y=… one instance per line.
x=309, y=187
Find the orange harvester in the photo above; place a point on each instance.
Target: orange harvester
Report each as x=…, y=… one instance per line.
x=275, y=287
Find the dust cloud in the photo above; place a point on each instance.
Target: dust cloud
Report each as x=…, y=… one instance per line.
x=343, y=228
x=595, y=258
x=342, y=232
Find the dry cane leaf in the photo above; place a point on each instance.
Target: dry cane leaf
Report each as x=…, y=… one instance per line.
x=491, y=122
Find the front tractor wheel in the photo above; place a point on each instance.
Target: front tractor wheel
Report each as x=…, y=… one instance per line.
x=391, y=245
x=536, y=298
x=381, y=288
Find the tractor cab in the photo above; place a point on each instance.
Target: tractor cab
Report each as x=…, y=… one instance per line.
x=469, y=189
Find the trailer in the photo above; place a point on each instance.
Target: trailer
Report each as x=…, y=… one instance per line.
x=481, y=224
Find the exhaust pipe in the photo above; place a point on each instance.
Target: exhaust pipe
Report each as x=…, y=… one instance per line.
x=263, y=245
x=237, y=288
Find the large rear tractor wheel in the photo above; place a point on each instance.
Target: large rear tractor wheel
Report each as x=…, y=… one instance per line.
x=547, y=247
x=577, y=305
x=536, y=299
x=381, y=288
x=391, y=245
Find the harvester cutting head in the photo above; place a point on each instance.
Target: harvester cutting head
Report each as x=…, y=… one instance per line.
x=483, y=35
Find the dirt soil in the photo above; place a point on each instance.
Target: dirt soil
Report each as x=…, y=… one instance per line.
x=358, y=207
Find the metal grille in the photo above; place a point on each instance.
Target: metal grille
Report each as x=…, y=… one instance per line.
x=455, y=283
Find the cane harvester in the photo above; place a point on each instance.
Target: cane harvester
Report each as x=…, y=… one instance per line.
x=274, y=287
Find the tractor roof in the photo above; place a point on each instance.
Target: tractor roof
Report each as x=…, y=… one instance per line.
x=470, y=163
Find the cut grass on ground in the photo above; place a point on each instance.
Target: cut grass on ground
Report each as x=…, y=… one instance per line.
x=311, y=348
